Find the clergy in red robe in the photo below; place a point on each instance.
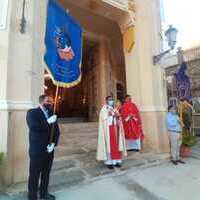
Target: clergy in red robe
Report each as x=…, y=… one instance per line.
x=132, y=124
x=111, y=141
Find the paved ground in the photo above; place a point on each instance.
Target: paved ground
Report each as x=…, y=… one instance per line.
x=164, y=182
x=82, y=168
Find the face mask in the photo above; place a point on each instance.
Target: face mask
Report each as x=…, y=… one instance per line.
x=111, y=103
x=48, y=106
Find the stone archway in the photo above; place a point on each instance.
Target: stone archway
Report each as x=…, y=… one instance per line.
x=101, y=69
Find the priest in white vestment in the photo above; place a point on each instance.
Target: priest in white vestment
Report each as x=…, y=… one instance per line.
x=111, y=141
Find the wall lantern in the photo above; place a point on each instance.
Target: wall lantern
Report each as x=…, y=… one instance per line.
x=171, y=35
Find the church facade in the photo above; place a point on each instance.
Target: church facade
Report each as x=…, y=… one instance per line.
x=120, y=39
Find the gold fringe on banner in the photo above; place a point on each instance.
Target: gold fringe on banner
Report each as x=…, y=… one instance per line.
x=62, y=84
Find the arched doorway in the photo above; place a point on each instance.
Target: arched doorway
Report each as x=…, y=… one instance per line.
x=103, y=65
x=120, y=91
x=77, y=103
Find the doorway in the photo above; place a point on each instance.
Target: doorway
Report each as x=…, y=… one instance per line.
x=77, y=103
x=120, y=92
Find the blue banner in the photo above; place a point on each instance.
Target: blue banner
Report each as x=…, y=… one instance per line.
x=63, y=42
x=183, y=84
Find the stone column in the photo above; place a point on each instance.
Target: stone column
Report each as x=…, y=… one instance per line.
x=4, y=35
x=21, y=83
x=144, y=80
x=102, y=69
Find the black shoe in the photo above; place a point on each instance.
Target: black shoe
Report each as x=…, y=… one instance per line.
x=110, y=167
x=118, y=165
x=174, y=162
x=32, y=198
x=134, y=150
x=180, y=161
x=48, y=197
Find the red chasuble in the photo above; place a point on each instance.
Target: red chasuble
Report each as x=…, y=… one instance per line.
x=132, y=127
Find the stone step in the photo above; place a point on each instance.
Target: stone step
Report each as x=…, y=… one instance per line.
x=196, y=153
x=79, y=125
x=67, y=151
x=196, y=150
x=72, y=170
x=72, y=120
x=71, y=143
x=65, y=139
x=77, y=146
x=64, y=162
x=77, y=138
x=74, y=126
x=77, y=128
x=79, y=133
x=77, y=142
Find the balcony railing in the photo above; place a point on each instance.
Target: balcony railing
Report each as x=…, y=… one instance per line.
x=192, y=54
x=189, y=55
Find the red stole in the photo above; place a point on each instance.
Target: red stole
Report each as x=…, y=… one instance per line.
x=114, y=143
x=115, y=154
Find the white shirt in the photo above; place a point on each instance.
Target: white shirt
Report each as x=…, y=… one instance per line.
x=44, y=111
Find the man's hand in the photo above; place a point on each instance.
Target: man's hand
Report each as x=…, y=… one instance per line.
x=134, y=118
x=52, y=119
x=117, y=114
x=50, y=147
x=128, y=118
x=181, y=122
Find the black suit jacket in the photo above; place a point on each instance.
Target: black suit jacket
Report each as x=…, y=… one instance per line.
x=40, y=131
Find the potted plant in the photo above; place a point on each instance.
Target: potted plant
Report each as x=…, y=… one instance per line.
x=188, y=141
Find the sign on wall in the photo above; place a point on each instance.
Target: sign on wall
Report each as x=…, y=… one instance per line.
x=3, y=13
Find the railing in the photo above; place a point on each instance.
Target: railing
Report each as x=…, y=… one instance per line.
x=189, y=55
x=196, y=123
x=192, y=54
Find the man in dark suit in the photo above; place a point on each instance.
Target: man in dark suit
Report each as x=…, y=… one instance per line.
x=42, y=142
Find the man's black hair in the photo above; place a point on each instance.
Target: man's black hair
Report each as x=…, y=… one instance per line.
x=127, y=96
x=108, y=97
x=42, y=98
x=184, y=99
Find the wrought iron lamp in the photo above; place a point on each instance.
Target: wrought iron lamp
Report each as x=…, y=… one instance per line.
x=171, y=35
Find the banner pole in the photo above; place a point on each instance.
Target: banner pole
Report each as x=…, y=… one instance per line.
x=54, y=111
x=56, y=99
